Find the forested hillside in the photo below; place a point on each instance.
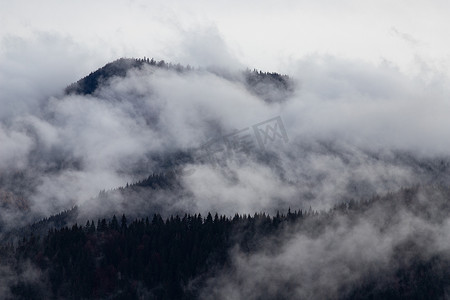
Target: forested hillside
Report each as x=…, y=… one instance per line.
x=179, y=257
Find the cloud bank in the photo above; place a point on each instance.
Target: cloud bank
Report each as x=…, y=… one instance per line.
x=354, y=129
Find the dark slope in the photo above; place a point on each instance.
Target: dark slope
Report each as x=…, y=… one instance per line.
x=172, y=259
x=90, y=83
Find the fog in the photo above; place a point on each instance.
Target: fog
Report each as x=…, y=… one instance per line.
x=354, y=129
x=367, y=116
x=310, y=261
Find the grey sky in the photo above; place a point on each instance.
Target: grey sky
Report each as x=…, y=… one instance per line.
x=262, y=34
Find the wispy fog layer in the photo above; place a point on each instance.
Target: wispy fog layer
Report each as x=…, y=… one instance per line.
x=354, y=129
x=313, y=261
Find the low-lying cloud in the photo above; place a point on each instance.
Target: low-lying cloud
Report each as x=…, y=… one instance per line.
x=354, y=130
x=351, y=251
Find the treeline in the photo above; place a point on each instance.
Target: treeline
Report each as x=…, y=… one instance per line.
x=172, y=258
x=146, y=258
x=270, y=86
x=255, y=76
x=119, y=68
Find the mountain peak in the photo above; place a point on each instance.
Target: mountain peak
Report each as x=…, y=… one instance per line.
x=269, y=86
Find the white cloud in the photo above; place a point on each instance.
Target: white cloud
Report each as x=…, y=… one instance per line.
x=263, y=34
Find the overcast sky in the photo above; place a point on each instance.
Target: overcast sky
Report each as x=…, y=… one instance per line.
x=267, y=35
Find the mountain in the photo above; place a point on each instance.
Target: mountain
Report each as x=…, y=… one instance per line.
x=136, y=117
x=18, y=187
x=150, y=180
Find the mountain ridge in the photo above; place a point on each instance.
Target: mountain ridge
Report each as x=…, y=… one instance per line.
x=270, y=86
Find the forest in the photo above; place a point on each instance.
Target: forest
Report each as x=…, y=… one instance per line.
x=172, y=258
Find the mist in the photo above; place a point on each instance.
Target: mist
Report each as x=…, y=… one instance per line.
x=355, y=136
x=337, y=255
x=355, y=129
